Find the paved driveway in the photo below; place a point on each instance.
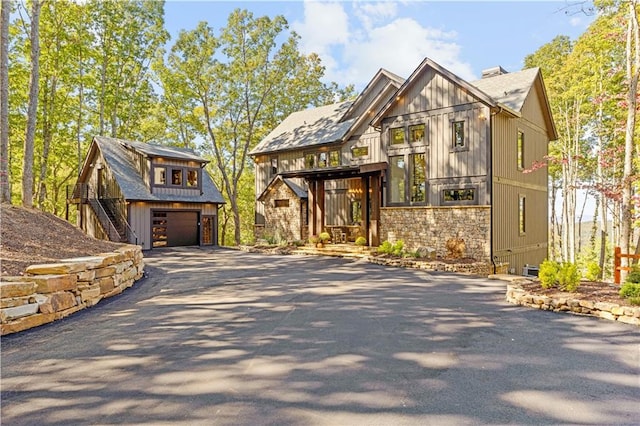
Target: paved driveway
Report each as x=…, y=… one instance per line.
x=224, y=337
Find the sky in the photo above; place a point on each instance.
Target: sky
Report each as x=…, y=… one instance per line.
x=356, y=38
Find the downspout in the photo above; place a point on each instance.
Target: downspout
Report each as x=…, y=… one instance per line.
x=491, y=141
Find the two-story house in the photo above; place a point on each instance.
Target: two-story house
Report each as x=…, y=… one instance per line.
x=425, y=160
x=151, y=195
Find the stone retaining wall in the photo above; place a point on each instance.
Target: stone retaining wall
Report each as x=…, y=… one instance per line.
x=628, y=315
x=53, y=291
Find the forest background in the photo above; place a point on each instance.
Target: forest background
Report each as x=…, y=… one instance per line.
x=72, y=70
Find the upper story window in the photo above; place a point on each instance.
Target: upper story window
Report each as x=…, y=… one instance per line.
x=416, y=133
x=176, y=176
x=334, y=158
x=274, y=166
x=309, y=161
x=322, y=159
x=520, y=150
x=396, y=135
x=359, y=151
x=459, y=140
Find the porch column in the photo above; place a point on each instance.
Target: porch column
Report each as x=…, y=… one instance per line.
x=311, y=207
x=319, y=207
x=374, y=219
x=364, y=202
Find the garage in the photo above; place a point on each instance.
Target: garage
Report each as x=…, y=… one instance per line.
x=175, y=228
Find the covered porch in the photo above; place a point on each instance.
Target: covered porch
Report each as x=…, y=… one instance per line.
x=364, y=185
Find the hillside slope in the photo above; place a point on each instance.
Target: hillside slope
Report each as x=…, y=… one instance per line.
x=30, y=236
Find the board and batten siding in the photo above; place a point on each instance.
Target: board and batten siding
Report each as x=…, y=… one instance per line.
x=140, y=216
x=509, y=184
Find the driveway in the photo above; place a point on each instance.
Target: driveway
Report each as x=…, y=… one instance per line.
x=216, y=336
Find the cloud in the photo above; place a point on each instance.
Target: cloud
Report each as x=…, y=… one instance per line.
x=353, y=47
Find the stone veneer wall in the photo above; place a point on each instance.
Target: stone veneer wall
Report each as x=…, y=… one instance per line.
x=53, y=291
x=433, y=226
x=282, y=221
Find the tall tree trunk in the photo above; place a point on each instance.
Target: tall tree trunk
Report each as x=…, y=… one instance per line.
x=553, y=253
x=32, y=109
x=632, y=55
x=47, y=135
x=5, y=183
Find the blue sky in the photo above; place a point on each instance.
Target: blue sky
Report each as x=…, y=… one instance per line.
x=355, y=39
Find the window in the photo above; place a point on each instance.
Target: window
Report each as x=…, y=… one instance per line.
x=397, y=135
x=522, y=218
x=309, y=161
x=360, y=151
x=416, y=133
x=322, y=159
x=418, y=178
x=458, y=194
x=458, y=135
x=159, y=176
x=334, y=158
x=274, y=166
x=520, y=150
x=356, y=213
x=192, y=178
x=176, y=177
x=397, y=187
x=281, y=203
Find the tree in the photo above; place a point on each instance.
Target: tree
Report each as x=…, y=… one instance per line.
x=243, y=83
x=32, y=110
x=5, y=184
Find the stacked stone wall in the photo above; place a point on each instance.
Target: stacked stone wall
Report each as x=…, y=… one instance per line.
x=282, y=222
x=432, y=227
x=53, y=291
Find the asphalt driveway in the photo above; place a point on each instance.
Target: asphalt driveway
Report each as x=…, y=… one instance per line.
x=216, y=336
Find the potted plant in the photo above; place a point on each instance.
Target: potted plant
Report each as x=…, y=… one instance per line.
x=324, y=237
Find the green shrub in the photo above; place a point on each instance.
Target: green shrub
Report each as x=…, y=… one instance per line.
x=593, y=271
x=397, y=248
x=548, y=273
x=361, y=241
x=634, y=275
x=324, y=237
x=629, y=290
x=634, y=300
x=385, y=248
x=569, y=277
x=313, y=239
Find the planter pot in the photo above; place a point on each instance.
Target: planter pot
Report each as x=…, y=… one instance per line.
x=319, y=245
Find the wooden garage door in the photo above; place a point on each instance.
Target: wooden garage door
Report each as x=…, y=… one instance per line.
x=173, y=229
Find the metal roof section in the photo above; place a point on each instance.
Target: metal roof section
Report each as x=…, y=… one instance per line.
x=133, y=187
x=307, y=128
x=299, y=191
x=162, y=151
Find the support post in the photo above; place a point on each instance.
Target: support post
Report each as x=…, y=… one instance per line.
x=374, y=220
x=312, y=197
x=319, y=207
x=617, y=265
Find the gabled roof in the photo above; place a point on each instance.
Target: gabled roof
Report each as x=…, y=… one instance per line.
x=116, y=154
x=392, y=79
x=299, y=191
x=510, y=89
x=310, y=127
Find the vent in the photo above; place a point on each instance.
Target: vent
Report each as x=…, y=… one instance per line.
x=493, y=72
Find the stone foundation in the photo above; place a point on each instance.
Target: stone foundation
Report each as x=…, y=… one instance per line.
x=611, y=311
x=53, y=291
x=434, y=226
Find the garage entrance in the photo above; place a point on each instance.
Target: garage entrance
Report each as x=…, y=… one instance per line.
x=175, y=228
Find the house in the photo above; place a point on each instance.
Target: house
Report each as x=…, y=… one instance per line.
x=425, y=160
x=151, y=195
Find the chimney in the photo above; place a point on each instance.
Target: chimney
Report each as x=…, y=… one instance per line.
x=493, y=72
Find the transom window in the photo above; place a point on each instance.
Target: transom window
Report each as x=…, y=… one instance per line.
x=416, y=133
x=458, y=194
x=397, y=135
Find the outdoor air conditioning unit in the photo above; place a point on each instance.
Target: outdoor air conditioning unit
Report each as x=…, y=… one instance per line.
x=530, y=270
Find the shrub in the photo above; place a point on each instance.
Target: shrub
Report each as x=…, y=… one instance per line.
x=313, y=239
x=569, y=277
x=397, y=248
x=324, y=237
x=548, y=273
x=385, y=248
x=361, y=241
x=593, y=271
x=629, y=290
x=634, y=275
x=456, y=247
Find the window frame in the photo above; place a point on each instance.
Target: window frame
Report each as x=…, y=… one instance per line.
x=403, y=199
x=520, y=144
x=184, y=176
x=273, y=168
x=522, y=214
x=281, y=203
x=338, y=157
x=411, y=127
x=309, y=155
x=398, y=130
x=411, y=180
x=361, y=156
x=155, y=168
x=454, y=145
x=445, y=202
x=323, y=157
